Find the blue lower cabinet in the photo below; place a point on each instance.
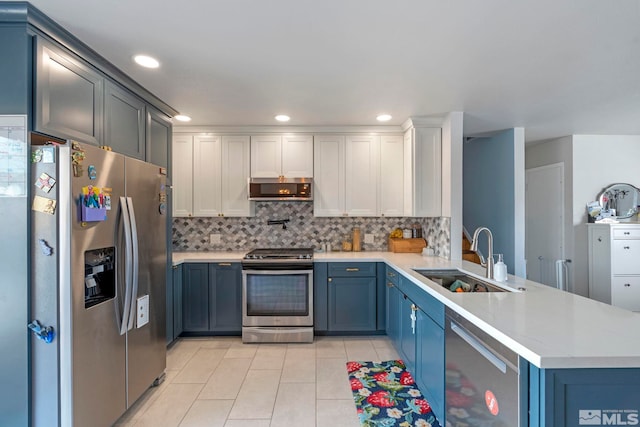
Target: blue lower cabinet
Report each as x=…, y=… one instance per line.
x=225, y=297
x=211, y=298
x=393, y=313
x=352, y=304
x=320, y=296
x=575, y=397
x=176, y=326
x=195, y=297
x=430, y=365
x=408, y=312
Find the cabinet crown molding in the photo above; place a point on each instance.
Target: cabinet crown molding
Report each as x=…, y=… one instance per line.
x=257, y=130
x=416, y=122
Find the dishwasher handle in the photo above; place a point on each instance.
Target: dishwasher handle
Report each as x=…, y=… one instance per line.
x=477, y=345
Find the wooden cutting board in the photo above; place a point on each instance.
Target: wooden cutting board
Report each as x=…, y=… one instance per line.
x=406, y=245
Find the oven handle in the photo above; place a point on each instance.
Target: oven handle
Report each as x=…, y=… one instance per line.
x=276, y=272
x=485, y=352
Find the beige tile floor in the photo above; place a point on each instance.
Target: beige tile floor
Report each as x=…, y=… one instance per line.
x=218, y=381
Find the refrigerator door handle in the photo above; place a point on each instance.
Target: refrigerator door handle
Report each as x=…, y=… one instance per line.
x=124, y=319
x=134, y=262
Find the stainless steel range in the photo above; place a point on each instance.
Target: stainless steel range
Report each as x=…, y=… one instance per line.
x=277, y=295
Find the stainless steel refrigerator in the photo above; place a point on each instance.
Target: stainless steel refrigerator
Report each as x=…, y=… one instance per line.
x=99, y=228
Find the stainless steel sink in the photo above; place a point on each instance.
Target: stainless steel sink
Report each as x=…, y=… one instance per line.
x=447, y=279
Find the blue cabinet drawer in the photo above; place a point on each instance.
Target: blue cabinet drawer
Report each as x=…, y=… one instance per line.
x=391, y=276
x=352, y=269
x=430, y=305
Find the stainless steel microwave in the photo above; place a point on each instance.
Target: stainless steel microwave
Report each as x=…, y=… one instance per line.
x=280, y=189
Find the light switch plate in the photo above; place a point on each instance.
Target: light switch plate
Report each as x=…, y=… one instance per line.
x=368, y=238
x=142, y=314
x=215, y=239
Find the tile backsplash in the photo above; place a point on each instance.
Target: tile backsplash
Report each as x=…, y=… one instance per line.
x=303, y=230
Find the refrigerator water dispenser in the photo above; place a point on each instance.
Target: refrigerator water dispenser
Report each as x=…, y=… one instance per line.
x=99, y=276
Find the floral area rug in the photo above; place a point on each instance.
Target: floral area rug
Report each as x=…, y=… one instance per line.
x=386, y=395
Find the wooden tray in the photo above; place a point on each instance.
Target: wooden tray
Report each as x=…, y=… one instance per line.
x=406, y=245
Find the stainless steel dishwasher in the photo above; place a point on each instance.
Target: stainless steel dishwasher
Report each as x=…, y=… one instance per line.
x=482, y=381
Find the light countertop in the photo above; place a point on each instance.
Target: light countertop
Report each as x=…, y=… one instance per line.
x=548, y=327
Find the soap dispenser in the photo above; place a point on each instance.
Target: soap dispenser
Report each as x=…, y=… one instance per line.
x=500, y=270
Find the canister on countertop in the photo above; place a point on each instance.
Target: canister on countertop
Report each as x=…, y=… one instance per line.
x=416, y=231
x=357, y=244
x=407, y=233
x=346, y=244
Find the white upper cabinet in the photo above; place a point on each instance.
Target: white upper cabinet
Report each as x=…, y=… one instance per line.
x=235, y=174
x=290, y=156
x=362, y=163
x=346, y=170
x=423, y=172
x=392, y=175
x=210, y=176
x=297, y=156
x=206, y=176
x=266, y=156
x=181, y=172
x=329, y=169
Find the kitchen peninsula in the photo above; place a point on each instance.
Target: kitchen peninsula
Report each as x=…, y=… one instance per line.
x=576, y=353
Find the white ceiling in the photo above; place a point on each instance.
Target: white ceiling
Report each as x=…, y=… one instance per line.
x=552, y=67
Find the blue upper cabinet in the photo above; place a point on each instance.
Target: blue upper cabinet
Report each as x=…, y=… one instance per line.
x=69, y=95
x=158, y=138
x=124, y=122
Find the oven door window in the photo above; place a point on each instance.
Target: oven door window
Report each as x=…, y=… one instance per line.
x=277, y=295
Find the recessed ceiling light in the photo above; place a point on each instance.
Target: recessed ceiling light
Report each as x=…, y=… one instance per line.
x=146, y=61
x=182, y=118
x=282, y=118
x=383, y=117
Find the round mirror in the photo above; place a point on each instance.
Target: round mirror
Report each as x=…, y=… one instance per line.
x=621, y=199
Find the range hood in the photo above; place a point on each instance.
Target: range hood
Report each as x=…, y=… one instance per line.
x=280, y=189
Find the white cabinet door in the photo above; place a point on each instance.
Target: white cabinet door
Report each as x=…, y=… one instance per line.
x=206, y=176
x=391, y=175
x=297, y=156
x=362, y=164
x=235, y=176
x=266, y=156
x=329, y=175
x=181, y=175
x=625, y=292
x=423, y=184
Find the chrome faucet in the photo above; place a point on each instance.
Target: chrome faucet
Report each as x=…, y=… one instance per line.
x=488, y=263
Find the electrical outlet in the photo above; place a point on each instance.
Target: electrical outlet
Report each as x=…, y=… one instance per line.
x=215, y=239
x=368, y=238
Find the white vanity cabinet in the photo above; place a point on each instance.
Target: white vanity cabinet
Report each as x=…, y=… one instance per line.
x=614, y=267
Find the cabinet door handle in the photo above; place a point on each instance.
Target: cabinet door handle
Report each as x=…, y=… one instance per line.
x=627, y=233
x=353, y=269
x=329, y=279
x=627, y=285
x=626, y=247
x=389, y=285
x=224, y=264
x=390, y=274
x=175, y=267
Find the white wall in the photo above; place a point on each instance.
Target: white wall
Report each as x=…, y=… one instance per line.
x=591, y=162
x=494, y=193
x=598, y=161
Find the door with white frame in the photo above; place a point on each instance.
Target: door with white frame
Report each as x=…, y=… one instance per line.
x=544, y=225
